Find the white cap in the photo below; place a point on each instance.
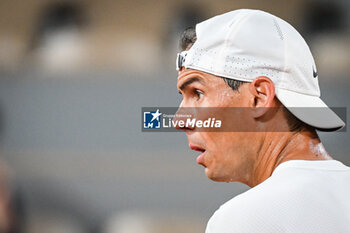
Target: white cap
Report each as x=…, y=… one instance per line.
x=244, y=44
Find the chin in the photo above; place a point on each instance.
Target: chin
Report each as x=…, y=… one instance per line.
x=217, y=177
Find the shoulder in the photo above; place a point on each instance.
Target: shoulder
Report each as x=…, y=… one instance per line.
x=260, y=209
x=289, y=200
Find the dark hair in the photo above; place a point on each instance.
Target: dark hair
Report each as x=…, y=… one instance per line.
x=188, y=38
x=295, y=125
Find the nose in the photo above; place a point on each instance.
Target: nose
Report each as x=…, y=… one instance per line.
x=183, y=117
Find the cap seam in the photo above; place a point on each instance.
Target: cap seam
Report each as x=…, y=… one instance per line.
x=284, y=54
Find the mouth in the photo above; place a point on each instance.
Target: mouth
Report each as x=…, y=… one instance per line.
x=200, y=158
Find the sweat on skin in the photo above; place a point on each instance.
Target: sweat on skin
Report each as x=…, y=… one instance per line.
x=247, y=157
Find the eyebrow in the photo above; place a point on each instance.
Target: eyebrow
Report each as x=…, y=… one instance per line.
x=189, y=81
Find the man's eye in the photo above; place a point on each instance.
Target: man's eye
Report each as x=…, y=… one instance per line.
x=198, y=93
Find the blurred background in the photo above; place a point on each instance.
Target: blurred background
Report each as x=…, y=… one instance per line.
x=73, y=78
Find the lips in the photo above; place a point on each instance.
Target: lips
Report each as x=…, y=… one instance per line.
x=200, y=158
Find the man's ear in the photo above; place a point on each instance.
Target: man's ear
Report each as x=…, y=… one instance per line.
x=262, y=90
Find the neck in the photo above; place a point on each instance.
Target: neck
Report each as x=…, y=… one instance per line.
x=278, y=147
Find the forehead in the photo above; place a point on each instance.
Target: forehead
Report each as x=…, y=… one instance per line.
x=203, y=77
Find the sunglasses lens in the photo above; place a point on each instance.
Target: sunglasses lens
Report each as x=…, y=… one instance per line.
x=180, y=60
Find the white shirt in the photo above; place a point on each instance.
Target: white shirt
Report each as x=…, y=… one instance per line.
x=300, y=196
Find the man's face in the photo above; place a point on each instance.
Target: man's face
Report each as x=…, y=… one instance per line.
x=227, y=156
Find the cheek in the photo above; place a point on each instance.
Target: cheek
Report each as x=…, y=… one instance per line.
x=225, y=98
x=228, y=154
x=219, y=148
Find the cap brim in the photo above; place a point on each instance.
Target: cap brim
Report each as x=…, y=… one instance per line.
x=310, y=109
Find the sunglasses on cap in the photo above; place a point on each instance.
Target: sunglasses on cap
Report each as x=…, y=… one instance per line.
x=180, y=59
